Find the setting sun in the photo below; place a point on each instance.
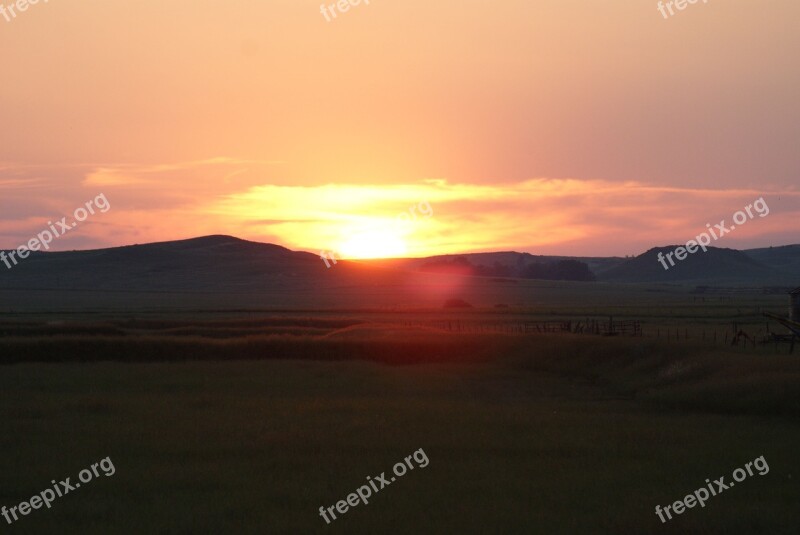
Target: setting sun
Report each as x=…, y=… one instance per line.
x=382, y=243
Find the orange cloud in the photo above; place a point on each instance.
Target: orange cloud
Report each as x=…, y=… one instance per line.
x=228, y=196
x=559, y=216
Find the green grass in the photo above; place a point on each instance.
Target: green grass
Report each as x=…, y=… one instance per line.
x=537, y=434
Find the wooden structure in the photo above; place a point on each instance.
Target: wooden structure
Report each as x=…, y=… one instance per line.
x=792, y=322
x=794, y=304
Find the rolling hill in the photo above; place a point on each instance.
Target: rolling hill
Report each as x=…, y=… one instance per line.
x=224, y=272
x=727, y=266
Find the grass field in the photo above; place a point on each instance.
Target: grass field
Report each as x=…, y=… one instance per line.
x=525, y=434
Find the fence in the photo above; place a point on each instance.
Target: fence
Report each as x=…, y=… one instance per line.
x=589, y=326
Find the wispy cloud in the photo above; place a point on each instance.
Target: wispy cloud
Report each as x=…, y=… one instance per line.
x=558, y=216
x=226, y=195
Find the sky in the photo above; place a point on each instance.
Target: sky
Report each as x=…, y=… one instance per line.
x=569, y=127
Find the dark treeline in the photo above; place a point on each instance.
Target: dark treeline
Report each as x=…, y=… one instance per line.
x=566, y=270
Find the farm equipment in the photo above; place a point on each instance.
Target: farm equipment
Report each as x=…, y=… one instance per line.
x=792, y=325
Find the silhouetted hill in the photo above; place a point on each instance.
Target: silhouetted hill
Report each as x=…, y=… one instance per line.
x=784, y=258
x=207, y=263
x=216, y=272
x=727, y=266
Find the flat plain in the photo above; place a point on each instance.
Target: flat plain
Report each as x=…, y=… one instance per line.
x=251, y=420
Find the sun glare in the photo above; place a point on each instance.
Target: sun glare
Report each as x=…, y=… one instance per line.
x=373, y=244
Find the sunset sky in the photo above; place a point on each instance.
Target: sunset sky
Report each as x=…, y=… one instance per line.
x=547, y=126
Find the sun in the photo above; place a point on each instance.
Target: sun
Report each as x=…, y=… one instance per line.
x=382, y=243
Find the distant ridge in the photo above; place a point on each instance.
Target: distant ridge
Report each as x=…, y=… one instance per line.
x=220, y=263
x=767, y=266
x=207, y=263
x=722, y=265
x=203, y=242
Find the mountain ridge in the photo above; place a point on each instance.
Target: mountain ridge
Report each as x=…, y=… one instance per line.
x=212, y=259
